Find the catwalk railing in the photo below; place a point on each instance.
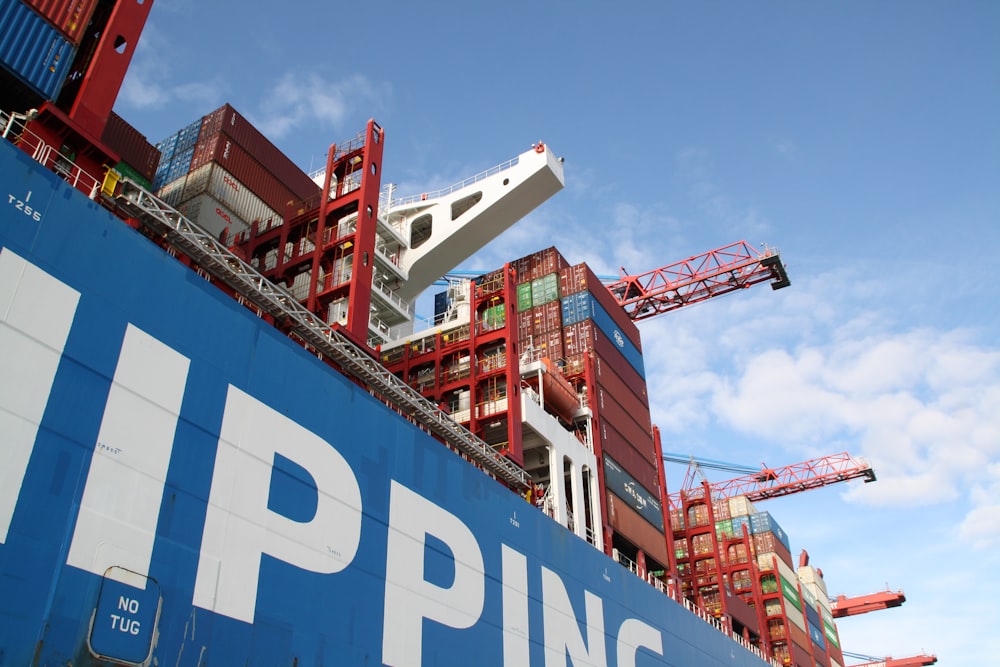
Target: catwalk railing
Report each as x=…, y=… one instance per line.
x=278, y=302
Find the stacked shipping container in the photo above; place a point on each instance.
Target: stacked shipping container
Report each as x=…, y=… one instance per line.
x=566, y=314
x=747, y=557
x=70, y=17
x=812, y=583
x=139, y=158
x=223, y=173
x=37, y=45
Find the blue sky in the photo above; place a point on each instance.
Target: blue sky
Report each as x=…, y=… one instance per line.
x=860, y=138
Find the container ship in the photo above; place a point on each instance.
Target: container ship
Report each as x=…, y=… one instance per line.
x=227, y=439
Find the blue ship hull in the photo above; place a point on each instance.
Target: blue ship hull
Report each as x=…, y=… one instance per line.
x=184, y=485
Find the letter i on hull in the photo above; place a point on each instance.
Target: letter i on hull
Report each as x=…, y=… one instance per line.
x=121, y=500
x=32, y=341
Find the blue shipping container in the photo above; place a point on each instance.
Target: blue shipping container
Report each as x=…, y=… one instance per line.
x=32, y=50
x=763, y=522
x=813, y=617
x=583, y=306
x=738, y=523
x=817, y=636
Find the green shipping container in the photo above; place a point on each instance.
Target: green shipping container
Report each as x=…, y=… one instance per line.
x=129, y=172
x=523, y=297
x=790, y=593
x=545, y=289
x=494, y=317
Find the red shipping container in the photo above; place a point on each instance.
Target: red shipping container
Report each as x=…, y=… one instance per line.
x=630, y=418
x=606, y=348
x=608, y=358
x=132, y=147
x=70, y=17
x=522, y=270
x=552, y=345
x=801, y=646
x=835, y=652
x=223, y=151
x=573, y=279
x=741, y=611
x=820, y=655
x=637, y=530
x=608, y=378
x=227, y=120
x=577, y=338
x=767, y=543
x=544, y=262
x=610, y=304
x=634, y=463
x=546, y=318
x=525, y=324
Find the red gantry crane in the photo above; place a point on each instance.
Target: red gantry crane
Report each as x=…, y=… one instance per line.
x=844, y=606
x=774, y=482
x=913, y=661
x=727, y=269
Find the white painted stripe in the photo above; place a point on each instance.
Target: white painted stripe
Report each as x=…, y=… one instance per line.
x=121, y=500
x=36, y=313
x=516, y=645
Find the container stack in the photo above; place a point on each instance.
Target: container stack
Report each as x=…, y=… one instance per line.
x=38, y=42
x=596, y=327
x=539, y=316
x=139, y=158
x=221, y=172
x=811, y=581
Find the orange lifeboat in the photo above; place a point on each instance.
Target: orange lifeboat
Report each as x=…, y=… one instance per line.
x=559, y=396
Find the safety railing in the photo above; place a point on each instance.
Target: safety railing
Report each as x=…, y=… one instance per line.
x=15, y=131
x=492, y=171
x=695, y=609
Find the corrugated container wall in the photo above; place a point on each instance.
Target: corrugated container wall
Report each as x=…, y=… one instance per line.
x=211, y=215
x=132, y=147
x=538, y=264
x=69, y=16
x=227, y=120
x=740, y=506
x=628, y=522
x=637, y=465
x=216, y=181
x=238, y=161
x=763, y=522
x=580, y=278
x=32, y=50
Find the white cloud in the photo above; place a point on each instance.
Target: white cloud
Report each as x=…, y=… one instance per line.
x=301, y=98
x=809, y=373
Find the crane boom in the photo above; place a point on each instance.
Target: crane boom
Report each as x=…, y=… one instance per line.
x=921, y=660
x=844, y=606
x=732, y=267
x=773, y=482
x=812, y=474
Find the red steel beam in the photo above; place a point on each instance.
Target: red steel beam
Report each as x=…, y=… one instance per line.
x=812, y=474
x=727, y=269
x=844, y=606
x=921, y=660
